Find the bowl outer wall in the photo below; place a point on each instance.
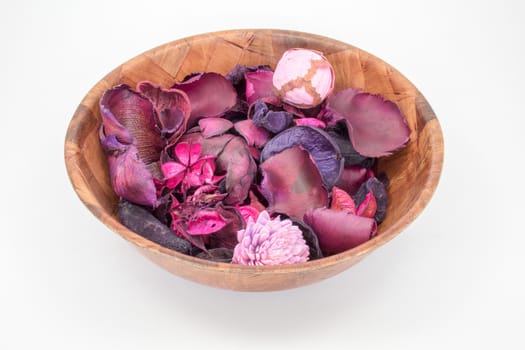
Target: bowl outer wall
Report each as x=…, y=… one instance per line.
x=413, y=172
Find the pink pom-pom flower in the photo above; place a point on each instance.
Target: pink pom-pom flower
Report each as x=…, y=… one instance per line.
x=303, y=78
x=270, y=242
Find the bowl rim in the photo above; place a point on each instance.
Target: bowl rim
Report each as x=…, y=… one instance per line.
x=420, y=202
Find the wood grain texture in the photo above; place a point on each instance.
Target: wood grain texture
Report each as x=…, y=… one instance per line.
x=413, y=172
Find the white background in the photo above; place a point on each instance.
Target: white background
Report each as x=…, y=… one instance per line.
x=453, y=280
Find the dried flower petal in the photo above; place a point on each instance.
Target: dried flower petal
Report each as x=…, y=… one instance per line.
x=172, y=107
x=205, y=222
x=259, y=86
x=210, y=127
x=376, y=126
x=323, y=150
x=311, y=122
x=352, y=178
x=339, y=230
x=267, y=242
x=126, y=113
x=342, y=200
x=210, y=94
x=254, y=135
x=129, y=176
x=292, y=184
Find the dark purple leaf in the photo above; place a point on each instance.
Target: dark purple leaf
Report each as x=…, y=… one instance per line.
x=376, y=126
x=292, y=183
x=378, y=189
x=214, y=126
x=273, y=121
x=339, y=230
x=210, y=94
x=340, y=136
x=126, y=113
x=254, y=135
x=129, y=176
x=145, y=224
x=311, y=239
x=323, y=150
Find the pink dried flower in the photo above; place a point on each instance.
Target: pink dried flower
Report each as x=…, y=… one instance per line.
x=303, y=78
x=191, y=169
x=270, y=242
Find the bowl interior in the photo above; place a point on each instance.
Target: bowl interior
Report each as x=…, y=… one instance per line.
x=413, y=172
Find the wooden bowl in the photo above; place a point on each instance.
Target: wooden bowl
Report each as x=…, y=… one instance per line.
x=413, y=172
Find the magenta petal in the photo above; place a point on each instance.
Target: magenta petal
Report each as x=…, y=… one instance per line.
x=214, y=126
x=247, y=211
x=210, y=94
x=376, y=126
x=129, y=176
x=254, y=135
x=311, y=121
x=133, y=112
x=292, y=183
x=236, y=160
x=259, y=85
x=339, y=230
x=205, y=222
x=173, y=173
x=341, y=200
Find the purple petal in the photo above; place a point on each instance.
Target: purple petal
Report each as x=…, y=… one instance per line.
x=254, y=135
x=292, y=183
x=126, y=113
x=210, y=94
x=259, y=85
x=236, y=160
x=376, y=126
x=324, y=151
x=129, y=176
x=214, y=126
x=273, y=121
x=339, y=230
x=171, y=105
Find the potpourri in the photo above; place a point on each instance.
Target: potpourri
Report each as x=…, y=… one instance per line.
x=257, y=167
